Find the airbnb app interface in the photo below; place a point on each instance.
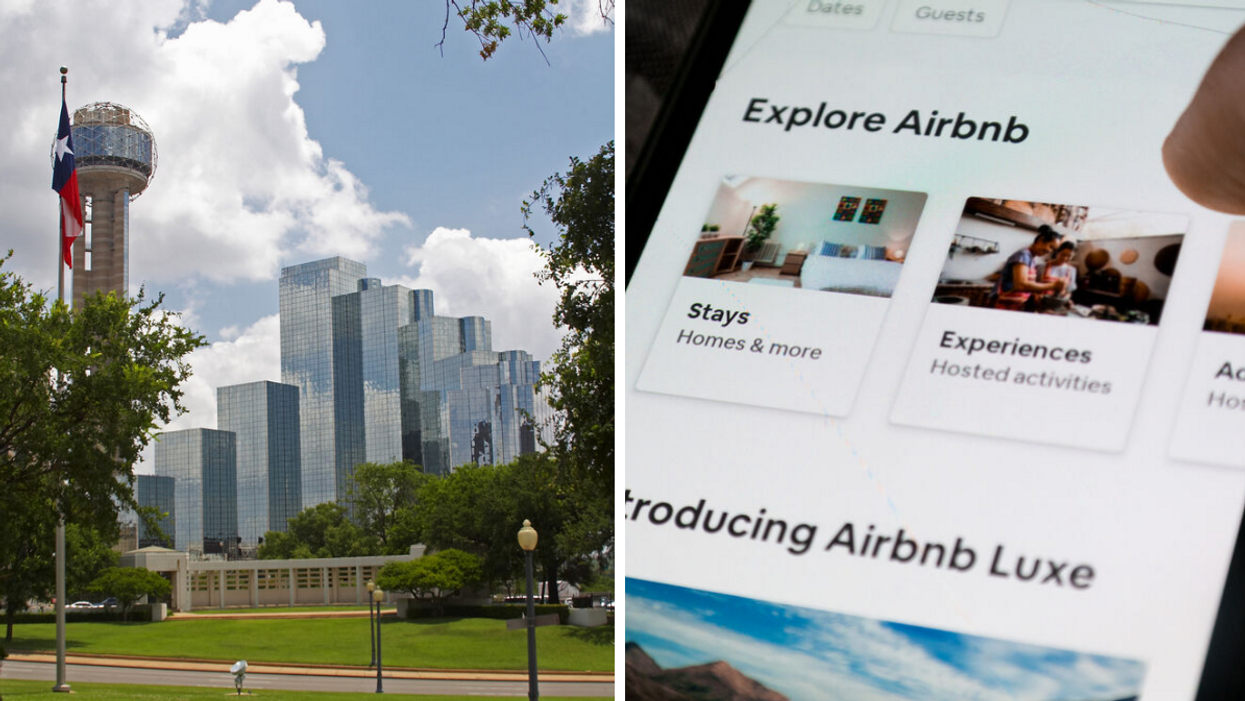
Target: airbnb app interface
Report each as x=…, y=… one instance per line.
x=935, y=378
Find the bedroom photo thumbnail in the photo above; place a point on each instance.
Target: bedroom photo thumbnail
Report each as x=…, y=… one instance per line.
x=812, y=236
x=687, y=643
x=1075, y=261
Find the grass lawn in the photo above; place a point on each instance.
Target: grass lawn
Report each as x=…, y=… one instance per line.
x=42, y=690
x=445, y=643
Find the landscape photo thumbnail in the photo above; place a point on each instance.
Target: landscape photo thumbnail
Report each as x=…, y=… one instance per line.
x=691, y=645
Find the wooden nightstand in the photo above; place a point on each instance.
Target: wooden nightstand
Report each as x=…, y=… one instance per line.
x=792, y=264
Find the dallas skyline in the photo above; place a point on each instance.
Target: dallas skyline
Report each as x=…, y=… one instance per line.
x=290, y=132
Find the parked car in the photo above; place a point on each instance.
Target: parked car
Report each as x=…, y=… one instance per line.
x=81, y=605
x=110, y=602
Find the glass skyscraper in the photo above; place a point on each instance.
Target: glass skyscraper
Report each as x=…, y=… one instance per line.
x=369, y=373
x=205, y=494
x=391, y=380
x=264, y=417
x=157, y=492
x=321, y=355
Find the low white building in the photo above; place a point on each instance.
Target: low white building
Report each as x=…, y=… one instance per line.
x=251, y=583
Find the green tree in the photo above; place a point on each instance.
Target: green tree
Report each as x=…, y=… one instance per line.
x=480, y=508
x=434, y=577
x=581, y=266
x=581, y=381
x=26, y=555
x=28, y=548
x=470, y=509
x=381, y=493
x=322, y=530
x=88, y=553
x=493, y=21
x=83, y=393
x=129, y=584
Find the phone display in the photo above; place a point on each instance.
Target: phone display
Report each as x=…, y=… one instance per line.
x=935, y=371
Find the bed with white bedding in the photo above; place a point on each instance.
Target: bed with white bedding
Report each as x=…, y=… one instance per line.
x=876, y=278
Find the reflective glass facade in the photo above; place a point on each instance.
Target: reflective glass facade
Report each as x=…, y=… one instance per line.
x=112, y=145
x=494, y=415
x=264, y=417
x=383, y=311
x=157, y=492
x=205, y=494
x=382, y=378
x=321, y=355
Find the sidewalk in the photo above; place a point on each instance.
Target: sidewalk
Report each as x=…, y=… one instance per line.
x=308, y=669
x=226, y=614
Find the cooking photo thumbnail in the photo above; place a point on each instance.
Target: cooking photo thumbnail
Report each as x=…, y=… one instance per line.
x=1062, y=260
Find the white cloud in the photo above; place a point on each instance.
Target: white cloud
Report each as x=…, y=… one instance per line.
x=239, y=180
x=493, y=278
x=253, y=355
x=862, y=659
x=584, y=16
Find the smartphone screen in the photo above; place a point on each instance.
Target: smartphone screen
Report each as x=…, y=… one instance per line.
x=935, y=381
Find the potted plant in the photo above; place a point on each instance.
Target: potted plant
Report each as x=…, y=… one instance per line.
x=709, y=231
x=760, y=228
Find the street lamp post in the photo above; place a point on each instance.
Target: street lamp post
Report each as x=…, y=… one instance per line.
x=527, y=541
x=378, y=596
x=371, y=625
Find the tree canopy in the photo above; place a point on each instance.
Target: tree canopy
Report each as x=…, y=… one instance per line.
x=323, y=530
x=383, y=495
x=581, y=380
x=84, y=390
x=493, y=21
x=129, y=584
x=433, y=577
x=480, y=509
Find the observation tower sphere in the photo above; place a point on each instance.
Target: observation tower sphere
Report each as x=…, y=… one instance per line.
x=115, y=154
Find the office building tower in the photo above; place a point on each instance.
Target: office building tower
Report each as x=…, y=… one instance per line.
x=205, y=494
x=264, y=418
x=383, y=311
x=394, y=381
x=495, y=411
x=116, y=158
x=155, y=491
x=321, y=355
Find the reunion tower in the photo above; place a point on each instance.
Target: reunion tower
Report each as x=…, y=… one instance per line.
x=115, y=153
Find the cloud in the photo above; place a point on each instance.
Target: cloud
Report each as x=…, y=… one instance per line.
x=860, y=658
x=584, y=16
x=492, y=278
x=254, y=354
x=239, y=181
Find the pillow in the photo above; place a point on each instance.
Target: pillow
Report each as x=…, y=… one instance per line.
x=848, y=251
x=873, y=253
x=830, y=249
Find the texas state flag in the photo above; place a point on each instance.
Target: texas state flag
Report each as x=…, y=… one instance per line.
x=65, y=182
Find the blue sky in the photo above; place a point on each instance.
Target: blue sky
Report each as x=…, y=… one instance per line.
x=807, y=654
x=289, y=132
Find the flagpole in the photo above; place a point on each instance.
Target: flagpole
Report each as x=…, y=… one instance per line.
x=61, y=684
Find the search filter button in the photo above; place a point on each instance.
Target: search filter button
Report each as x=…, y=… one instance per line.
x=839, y=14
x=977, y=18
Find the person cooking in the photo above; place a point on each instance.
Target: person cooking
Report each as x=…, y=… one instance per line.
x=1060, y=267
x=1018, y=280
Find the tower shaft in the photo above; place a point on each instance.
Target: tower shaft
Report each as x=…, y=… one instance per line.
x=106, y=268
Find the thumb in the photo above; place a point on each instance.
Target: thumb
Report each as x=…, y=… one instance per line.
x=1205, y=152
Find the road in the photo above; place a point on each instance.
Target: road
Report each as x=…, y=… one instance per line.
x=298, y=682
